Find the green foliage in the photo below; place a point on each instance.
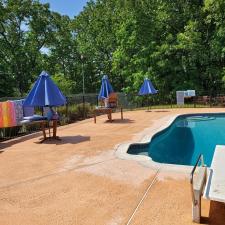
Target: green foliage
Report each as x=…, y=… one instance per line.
x=84, y=110
x=72, y=112
x=178, y=44
x=25, y=27
x=65, y=84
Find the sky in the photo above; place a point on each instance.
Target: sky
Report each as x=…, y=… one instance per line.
x=66, y=7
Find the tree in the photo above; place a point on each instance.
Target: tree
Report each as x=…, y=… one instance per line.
x=25, y=28
x=178, y=44
x=95, y=29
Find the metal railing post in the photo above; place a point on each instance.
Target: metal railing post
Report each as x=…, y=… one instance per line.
x=196, y=190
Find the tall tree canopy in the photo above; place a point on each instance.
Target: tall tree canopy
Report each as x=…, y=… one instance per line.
x=178, y=44
x=25, y=27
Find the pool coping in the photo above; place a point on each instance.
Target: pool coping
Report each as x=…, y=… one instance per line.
x=158, y=126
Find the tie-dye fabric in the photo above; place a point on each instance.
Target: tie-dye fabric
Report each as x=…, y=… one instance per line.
x=8, y=114
x=1, y=116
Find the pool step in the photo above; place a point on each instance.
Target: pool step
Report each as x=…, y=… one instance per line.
x=198, y=187
x=197, y=180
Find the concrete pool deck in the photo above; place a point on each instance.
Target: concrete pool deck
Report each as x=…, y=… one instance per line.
x=81, y=181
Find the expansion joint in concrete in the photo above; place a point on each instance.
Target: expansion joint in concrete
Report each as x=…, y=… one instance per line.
x=143, y=197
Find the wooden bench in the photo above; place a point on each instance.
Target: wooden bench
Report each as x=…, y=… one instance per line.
x=107, y=111
x=43, y=124
x=107, y=106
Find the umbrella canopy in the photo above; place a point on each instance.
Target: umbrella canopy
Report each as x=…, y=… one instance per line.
x=147, y=88
x=106, y=88
x=44, y=93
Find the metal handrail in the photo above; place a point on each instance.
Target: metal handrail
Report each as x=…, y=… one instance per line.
x=192, y=177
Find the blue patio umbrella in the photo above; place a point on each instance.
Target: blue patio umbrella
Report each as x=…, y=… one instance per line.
x=106, y=88
x=45, y=93
x=147, y=89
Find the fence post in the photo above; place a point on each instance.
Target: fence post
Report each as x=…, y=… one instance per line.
x=83, y=107
x=67, y=106
x=97, y=100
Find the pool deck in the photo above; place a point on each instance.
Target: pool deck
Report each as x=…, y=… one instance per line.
x=81, y=181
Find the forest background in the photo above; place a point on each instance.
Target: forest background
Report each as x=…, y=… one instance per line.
x=178, y=44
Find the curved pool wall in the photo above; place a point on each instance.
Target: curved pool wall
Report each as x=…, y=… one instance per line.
x=182, y=141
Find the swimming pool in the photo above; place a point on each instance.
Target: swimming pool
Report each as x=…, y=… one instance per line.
x=186, y=138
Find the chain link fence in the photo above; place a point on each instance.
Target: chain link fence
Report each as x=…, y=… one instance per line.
x=80, y=107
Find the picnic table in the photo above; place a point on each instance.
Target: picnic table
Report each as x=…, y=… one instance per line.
x=107, y=111
x=43, y=124
x=54, y=129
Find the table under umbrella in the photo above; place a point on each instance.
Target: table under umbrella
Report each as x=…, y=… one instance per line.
x=106, y=88
x=45, y=93
x=106, y=92
x=147, y=88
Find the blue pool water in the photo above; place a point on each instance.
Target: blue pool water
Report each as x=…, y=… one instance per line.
x=186, y=138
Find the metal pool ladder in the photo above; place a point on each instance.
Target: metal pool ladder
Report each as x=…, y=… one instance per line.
x=197, y=186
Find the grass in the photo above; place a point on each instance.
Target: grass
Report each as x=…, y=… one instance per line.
x=166, y=106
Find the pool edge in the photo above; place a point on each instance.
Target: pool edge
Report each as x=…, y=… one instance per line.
x=164, y=123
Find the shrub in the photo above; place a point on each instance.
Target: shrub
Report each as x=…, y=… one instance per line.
x=84, y=110
x=9, y=132
x=72, y=113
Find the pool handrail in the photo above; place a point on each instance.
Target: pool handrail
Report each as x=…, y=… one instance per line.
x=192, y=177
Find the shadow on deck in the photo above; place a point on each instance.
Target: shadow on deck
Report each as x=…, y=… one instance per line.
x=67, y=140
